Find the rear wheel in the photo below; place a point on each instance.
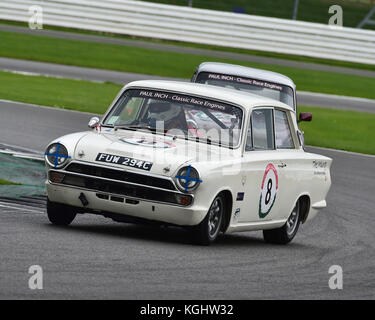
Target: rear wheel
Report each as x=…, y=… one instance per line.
x=208, y=230
x=287, y=232
x=60, y=214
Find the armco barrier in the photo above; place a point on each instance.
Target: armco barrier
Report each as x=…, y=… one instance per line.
x=169, y=22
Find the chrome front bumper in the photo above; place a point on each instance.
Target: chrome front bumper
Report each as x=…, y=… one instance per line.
x=155, y=211
x=121, y=183
x=109, y=189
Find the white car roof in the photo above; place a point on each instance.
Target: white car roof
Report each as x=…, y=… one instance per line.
x=247, y=72
x=246, y=100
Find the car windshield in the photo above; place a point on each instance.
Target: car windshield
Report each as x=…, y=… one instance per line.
x=263, y=88
x=180, y=115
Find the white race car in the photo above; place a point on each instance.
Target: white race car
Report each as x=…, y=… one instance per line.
x=155, y=158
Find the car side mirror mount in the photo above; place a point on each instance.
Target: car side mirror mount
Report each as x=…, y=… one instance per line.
x=301, y=138
x=94, y=122
x=305, y=116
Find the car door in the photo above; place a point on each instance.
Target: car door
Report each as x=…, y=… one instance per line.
x=260, y=166
x=289, y=161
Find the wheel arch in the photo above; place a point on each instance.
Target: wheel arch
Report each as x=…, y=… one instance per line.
x=228, y=202
x=305, y=203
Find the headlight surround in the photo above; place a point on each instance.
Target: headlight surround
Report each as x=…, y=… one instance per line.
x=56, y=155
x=187, y=179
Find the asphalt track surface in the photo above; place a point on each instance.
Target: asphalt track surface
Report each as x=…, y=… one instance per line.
x=188, y=50
x=98, y=258
x=72, y=72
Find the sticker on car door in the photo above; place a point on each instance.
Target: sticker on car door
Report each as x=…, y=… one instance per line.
x=268, y=192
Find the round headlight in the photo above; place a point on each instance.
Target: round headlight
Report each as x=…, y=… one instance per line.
x=187, y=179
x=56, y=155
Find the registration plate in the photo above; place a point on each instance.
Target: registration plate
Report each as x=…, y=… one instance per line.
x=125, y=161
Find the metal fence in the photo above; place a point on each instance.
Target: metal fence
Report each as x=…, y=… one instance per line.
x=211, y=27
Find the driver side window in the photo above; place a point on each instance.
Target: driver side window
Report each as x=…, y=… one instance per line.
x=128, y=113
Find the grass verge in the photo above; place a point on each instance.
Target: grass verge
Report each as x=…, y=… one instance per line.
x=163, y=63
x=5, y=182
x=63, y=93
x=337, y=129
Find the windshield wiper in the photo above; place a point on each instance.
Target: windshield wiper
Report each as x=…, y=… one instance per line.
x=134, y=128
x=123, y=128
x=143, y=127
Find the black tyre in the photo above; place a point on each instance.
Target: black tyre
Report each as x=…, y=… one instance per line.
x=208, y=230
x=287, y=232
x=59, y=214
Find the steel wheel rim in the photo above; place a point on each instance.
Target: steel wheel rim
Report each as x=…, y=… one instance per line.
x=214, y=217
x=292, y=222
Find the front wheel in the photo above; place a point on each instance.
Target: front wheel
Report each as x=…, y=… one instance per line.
x=208, y=230
x=60, y=214
x=287, y=232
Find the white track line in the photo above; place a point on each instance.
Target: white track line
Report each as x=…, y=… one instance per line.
x=47, y=75
x=345, y=152
x=326, y=95
x=10, y=148
x=41, y=106
x=11, y=206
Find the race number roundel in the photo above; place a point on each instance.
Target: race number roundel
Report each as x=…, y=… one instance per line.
x=270, y=185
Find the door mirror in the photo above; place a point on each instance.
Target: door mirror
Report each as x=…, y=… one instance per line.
x=305, y=116
x=94, y=122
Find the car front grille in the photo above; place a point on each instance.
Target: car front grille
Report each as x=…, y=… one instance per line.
x=119, y=183
x=119, y=188
x=121, y=175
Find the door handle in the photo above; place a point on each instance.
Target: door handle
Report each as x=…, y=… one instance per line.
x=282, y=165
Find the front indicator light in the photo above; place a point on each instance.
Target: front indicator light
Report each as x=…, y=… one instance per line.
x=56, y=177
x=184, y=200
